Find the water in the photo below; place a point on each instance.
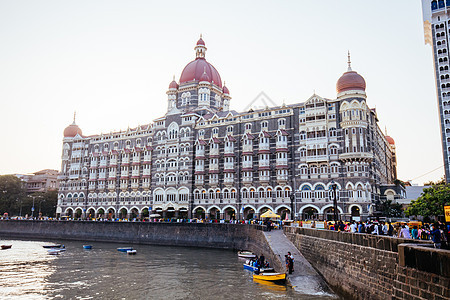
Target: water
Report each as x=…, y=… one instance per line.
x=156, y=272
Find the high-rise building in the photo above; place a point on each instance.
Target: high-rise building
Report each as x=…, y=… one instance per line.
x=436, y=21
x=203, y=160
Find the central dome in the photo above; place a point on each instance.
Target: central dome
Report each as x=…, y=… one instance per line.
x=194, y=70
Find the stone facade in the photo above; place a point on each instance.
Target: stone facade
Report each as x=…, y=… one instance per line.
x=203, y=160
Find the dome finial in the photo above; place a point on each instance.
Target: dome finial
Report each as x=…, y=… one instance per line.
x=74, y=116
x=349, y=62
x=201, y=36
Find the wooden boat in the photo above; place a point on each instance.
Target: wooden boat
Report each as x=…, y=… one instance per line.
x=54, y=251
x=87, y=246
x=270, y=276
x=131, y=252
x=246, y=254
x=124, y=249
x=52, y=246
x=271, y=285
x=4, y=247
x=248, y=266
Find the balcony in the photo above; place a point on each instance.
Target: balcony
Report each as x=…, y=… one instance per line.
x=264, y=178
x=323, y=140
x=228, y=166
x=247, y=179
x=317, y=158
x=199, y=182
x=247, y=164
x=247, y=149
x=228, y=180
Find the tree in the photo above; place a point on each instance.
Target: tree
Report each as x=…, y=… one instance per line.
x=441, y=181
x=12, y=194
x=390, y=210
x=431, y=203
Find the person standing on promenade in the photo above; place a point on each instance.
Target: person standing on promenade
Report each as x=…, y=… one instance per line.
x=415, y=233
x=435, y=234
x=404, y=232
x=353, y=227
x=390, y=229
x=292, y=260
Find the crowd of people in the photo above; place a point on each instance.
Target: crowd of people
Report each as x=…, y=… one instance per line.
x=437, y=232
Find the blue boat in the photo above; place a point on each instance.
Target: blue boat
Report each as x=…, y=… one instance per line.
x=124, y=249
x=87, y=246
x=248, y=266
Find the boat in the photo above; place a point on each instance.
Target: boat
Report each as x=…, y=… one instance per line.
x=52, y=246
x=4, y=247
x=270, y=276
x=271, y=285
x=246, y=254
x=124, y=249
x=248, y=266
x=54, y=251
x=87, y=246
x=131, y=252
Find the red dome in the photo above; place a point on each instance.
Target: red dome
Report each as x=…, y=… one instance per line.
x=350, y=81
x=173, y=85
x=390, y=140
x=72, y=130
x=195, y=69
x=225, y=90
x=200, y=42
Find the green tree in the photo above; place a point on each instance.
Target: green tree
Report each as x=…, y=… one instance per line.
x=44, y=202
x=12, y=194
x=431, y=203
x=391, y=210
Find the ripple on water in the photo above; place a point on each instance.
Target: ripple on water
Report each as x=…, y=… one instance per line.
x=27, y=271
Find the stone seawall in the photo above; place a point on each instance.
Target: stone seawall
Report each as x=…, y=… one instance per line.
x=361, y=266
x=225, y=236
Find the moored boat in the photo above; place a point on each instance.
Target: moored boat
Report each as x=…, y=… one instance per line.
x=52, y=246
x=124, y=249
x=248, y=266
x=87, y=246
x=54, y=251
x=270, y=276
x=4, y=247
x=131, y=252
x=246, y=254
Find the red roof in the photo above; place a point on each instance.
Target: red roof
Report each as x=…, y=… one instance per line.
x=266, y=134
x=216, y=140
x=201, y=42
x=72, y=130
x=194, y=70
x=231, y=138
x=225, y=90
x=390, y=140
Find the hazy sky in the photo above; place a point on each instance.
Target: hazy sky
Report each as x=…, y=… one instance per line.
x=112, y=62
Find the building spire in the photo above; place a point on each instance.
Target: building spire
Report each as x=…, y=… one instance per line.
x=74, y=116
x=349, y=62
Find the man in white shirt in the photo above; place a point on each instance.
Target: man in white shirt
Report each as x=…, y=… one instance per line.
x=353, y=227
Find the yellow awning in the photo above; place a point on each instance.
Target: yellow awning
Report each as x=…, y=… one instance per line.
x=269, y=214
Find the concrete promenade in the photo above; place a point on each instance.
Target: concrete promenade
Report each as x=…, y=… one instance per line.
x=304, y=279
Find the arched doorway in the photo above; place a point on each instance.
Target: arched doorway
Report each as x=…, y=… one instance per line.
x=328, y=214
x=183, y=214
x=78, y=213
x=134, y=213
x=214, y=214
x=170, y=213
x=123, y=212
x=111, y=214
x=356, y=213
x=100, y=213
x=249, y=213
x=199, y=213
x=310, y=213
x=90, y=214
x=230, y=214
x=69, y=213
x=284, y=213
x=145, y=213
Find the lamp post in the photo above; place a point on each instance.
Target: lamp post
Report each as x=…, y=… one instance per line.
x=335, y=207
x=32, y=208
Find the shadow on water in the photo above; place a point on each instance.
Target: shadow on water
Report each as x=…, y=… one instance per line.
x=156, y=272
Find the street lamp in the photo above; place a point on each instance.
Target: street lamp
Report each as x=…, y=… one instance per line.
x=335, y=208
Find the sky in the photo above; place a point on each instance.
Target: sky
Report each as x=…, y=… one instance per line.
x=112, y=61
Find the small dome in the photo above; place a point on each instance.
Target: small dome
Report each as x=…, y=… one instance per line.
x=350, y=80
x=72, y=130
x=225, y=90
x=173, y=85
x=390, y=140
x=200, y=42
